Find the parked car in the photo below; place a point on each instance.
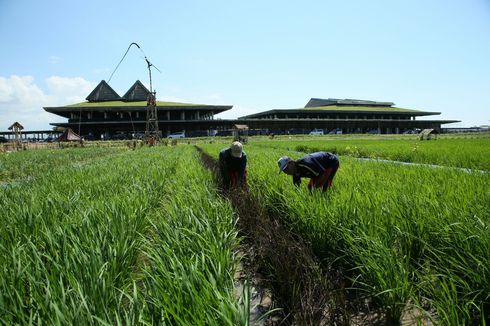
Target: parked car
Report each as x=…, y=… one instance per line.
x=316, y=132
x=180, y=134
x=119, y=136
x=410, y=132
x=138, y=135
x=337, y=131
x=89, y=137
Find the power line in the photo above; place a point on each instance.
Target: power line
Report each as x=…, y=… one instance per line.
x=129, y=47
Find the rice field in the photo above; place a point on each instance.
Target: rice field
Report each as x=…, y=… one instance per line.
x=120, y=238
x=104, y=236
x=470, y=153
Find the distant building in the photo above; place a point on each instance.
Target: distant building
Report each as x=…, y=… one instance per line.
x=343, y=115
x=108, y=114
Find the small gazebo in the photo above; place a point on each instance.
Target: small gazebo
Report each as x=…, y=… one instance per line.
x=240, y=133
x=428, y=134
x=16, y=131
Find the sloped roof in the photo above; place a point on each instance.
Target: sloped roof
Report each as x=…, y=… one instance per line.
x=240, y=127
x=137, y=92
x=103, y=92
x=352, y=108
x=426, y=132
x=316, y=102
x=68, y=135
x=16, y=125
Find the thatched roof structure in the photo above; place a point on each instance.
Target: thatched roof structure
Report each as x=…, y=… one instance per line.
x=137, y=92
x=16, y=125
x=427, y=134
x=240, y=127
x=103, y=92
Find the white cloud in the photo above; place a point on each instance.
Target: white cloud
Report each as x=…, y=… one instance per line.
x=69, y=90
x=22, y=100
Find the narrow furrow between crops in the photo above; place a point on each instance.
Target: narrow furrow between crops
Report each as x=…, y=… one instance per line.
x=287, y=263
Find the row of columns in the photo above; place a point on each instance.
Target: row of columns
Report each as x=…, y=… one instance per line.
x=337, y=117
x=198, y=116
x=28, y=135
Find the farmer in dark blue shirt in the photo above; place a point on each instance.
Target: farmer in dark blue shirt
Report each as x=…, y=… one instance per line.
x=320, y=167
x=233, y=166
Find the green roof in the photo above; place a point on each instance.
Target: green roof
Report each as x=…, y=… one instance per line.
x=122, y=104
x=360, y=108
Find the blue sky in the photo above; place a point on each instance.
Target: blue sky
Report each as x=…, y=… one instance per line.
x=254, y=55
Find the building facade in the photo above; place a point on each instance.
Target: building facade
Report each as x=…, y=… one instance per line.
x=344, y=115
x=105, y=114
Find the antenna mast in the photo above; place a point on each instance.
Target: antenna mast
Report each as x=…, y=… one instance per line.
x=152, y=133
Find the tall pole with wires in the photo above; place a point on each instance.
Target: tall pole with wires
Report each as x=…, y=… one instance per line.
x=152, y=134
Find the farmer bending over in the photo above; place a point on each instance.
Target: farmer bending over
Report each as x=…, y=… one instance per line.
x=320, y=167
x=233, y=166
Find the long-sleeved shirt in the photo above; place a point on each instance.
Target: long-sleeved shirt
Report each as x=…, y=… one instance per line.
x=231, y=167
x=314, y=165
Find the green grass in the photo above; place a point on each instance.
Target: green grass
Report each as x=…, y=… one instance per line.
x=114, y=236
x=372, y=109
x=133, y=237
x=404, y=234
x=457, y=152
x=30, y=164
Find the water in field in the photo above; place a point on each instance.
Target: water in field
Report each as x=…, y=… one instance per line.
x=422, y=165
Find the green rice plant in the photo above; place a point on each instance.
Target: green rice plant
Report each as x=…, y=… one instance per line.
x=391, y=226
x=28, y=164
x=126, y=237
x=188, y=280
x=86, y=243
x=458, y=152
x=455, y=301
x=382, y=271
x=74, y=243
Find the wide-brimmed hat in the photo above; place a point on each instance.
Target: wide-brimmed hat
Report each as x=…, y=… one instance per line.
x=236, y=149
x=283, y=162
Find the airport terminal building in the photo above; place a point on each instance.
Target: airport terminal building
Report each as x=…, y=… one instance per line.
x=105, y=114
x=346, y=116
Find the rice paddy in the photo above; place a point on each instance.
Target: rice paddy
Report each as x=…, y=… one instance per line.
x=117, y=236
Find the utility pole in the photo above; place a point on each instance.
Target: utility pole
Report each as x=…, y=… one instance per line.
x=152, y=118
x=152, y=133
